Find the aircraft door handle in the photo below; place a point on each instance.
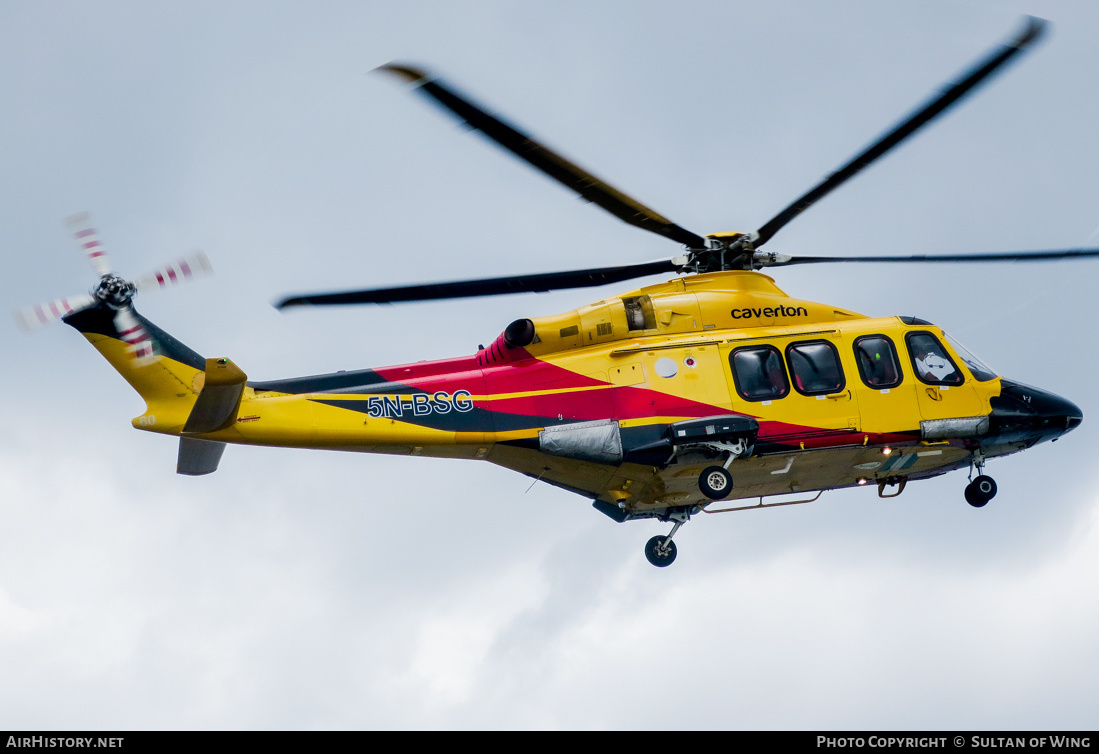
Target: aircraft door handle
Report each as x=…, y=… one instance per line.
x=934, y=394
x=840, y=396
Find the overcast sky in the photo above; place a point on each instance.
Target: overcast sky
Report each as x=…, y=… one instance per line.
x=300, y=589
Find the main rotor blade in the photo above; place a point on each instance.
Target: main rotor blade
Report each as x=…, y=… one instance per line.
x=1055, y=255
x=540, y=283
x=559, y=168
x=951, y=94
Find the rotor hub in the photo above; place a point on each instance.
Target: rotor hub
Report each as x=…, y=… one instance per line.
x=723, y=251
x=114, y=291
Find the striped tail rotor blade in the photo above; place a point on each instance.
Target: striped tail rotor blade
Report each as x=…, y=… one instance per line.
x=141, y=346
x=33, y=317
x=177, y=272
x=88, y=237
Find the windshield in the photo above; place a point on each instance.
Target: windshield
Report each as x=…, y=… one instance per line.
x=980, y=370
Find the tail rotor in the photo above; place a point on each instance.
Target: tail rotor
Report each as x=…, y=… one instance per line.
x=113, y=291
x=173, y=274
x=141, y=346
x=88, y=239
x=31, y=318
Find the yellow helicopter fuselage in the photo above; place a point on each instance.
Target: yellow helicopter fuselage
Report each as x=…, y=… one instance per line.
x=592, y=400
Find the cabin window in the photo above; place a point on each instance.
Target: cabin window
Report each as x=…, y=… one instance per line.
x=978, y=368
x=930, y=361
x=759, y=373
x=877, y=360
x=815, y=368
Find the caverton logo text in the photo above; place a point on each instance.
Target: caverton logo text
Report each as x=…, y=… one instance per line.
x=771, y=311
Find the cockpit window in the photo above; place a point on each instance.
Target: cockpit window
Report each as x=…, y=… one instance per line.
x=815, y=368
x=759, y=373
x=932, y=363
x=978, y=368
x=877, y=359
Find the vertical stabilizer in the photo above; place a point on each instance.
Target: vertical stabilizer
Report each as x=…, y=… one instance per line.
x=169, y=379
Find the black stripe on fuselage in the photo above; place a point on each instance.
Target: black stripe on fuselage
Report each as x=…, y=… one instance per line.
x=476, y=419
x=359, y=381
x=484, y=420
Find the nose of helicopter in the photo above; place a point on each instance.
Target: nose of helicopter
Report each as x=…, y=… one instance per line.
x=1031, y=414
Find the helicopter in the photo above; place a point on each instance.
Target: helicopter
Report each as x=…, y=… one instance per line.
x=694, y=395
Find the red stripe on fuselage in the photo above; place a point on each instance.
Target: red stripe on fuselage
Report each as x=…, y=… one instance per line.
x=515, y=377
x=559, y=397
x=532, y=375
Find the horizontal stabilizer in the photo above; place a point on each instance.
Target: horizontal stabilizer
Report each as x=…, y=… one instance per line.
x=198, y=457
x=219, y=399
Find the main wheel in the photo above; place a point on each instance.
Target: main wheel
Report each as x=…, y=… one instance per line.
x=980, y=491
x=715, y=482
x=659, y=554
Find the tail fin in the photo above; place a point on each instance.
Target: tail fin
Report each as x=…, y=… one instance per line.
x=216, y=408
x=169, y=382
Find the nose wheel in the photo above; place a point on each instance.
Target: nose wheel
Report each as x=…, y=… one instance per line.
x=980, y=491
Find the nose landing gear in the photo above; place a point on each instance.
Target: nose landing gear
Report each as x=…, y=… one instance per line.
x=982, y=489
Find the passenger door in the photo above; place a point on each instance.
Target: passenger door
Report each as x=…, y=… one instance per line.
x=822, y=399
x=887, y=396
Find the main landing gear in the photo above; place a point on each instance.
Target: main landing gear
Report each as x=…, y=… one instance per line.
x=982, y=489
x=715, y=482
x=660, y=551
